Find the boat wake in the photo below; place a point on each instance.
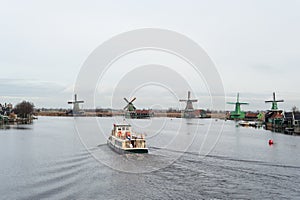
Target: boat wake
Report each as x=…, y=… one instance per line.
x=225, y=158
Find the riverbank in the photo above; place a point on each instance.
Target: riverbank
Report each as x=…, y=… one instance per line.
x=119, y=113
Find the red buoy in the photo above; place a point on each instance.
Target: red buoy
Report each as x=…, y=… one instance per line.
x=271, y=142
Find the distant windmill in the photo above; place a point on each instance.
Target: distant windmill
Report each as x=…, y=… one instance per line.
x=76, y=109
x=130, y=108
x=274, y=102
x=274, y=118
x=237, y=114
x=189, y=111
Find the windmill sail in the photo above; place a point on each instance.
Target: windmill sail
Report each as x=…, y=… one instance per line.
x=130, y=106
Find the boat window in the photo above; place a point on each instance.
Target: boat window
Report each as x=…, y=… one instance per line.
x=123, y=128
x=119, y=129
x=127, y=128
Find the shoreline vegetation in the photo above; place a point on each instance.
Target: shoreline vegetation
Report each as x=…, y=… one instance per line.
x=22, y=113
x=111, y=113
x=282, y=124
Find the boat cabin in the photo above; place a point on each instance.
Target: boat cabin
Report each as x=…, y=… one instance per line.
x=121, y=131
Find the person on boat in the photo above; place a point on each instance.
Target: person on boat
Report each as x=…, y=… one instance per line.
x=128, y=135
x=132, y=143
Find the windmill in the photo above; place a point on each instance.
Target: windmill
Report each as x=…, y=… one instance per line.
x=189, y=111
x=130, y=108
x=274, y=118
x=237, y=113
x=76, y=109
x=274, y=102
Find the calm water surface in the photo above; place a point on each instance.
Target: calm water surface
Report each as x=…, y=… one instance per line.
x=67, y=158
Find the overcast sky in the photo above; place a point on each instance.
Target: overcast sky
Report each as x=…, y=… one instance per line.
x=254, y=45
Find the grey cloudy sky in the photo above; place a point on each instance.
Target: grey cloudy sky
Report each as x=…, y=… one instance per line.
x=254, y=44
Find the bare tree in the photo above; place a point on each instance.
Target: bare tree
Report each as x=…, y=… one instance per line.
x=24, y=109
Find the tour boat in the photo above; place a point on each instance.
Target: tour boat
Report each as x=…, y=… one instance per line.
x=123, y=140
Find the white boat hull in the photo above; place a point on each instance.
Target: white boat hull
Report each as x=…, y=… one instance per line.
x=121, y=150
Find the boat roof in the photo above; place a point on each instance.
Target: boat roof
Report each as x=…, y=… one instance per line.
x=123, y=125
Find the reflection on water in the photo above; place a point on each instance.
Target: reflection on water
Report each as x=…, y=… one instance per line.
x=15, y=126
x=50, y=161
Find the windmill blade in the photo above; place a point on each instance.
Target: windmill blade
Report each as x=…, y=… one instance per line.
x=194, y=100
x=274, y=98
x=126, y=100
x=70, y=102
x=125, y=108
x=244, y=103
x=189, y=95
x=79, y=101
x=133, y=107
x=133, y=100
x=230, y=103
x=181, y=100
x=274, y=101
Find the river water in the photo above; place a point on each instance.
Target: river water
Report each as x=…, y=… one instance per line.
x=67, y=158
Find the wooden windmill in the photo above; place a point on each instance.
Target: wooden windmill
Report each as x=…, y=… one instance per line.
x=189, y=111
x=130, y=108
x=76, y=109
x=274, y=102
x=237, y=113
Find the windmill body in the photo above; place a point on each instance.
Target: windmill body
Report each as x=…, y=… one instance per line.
x=76, y=110
x=237, y=113
x=189, y=111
